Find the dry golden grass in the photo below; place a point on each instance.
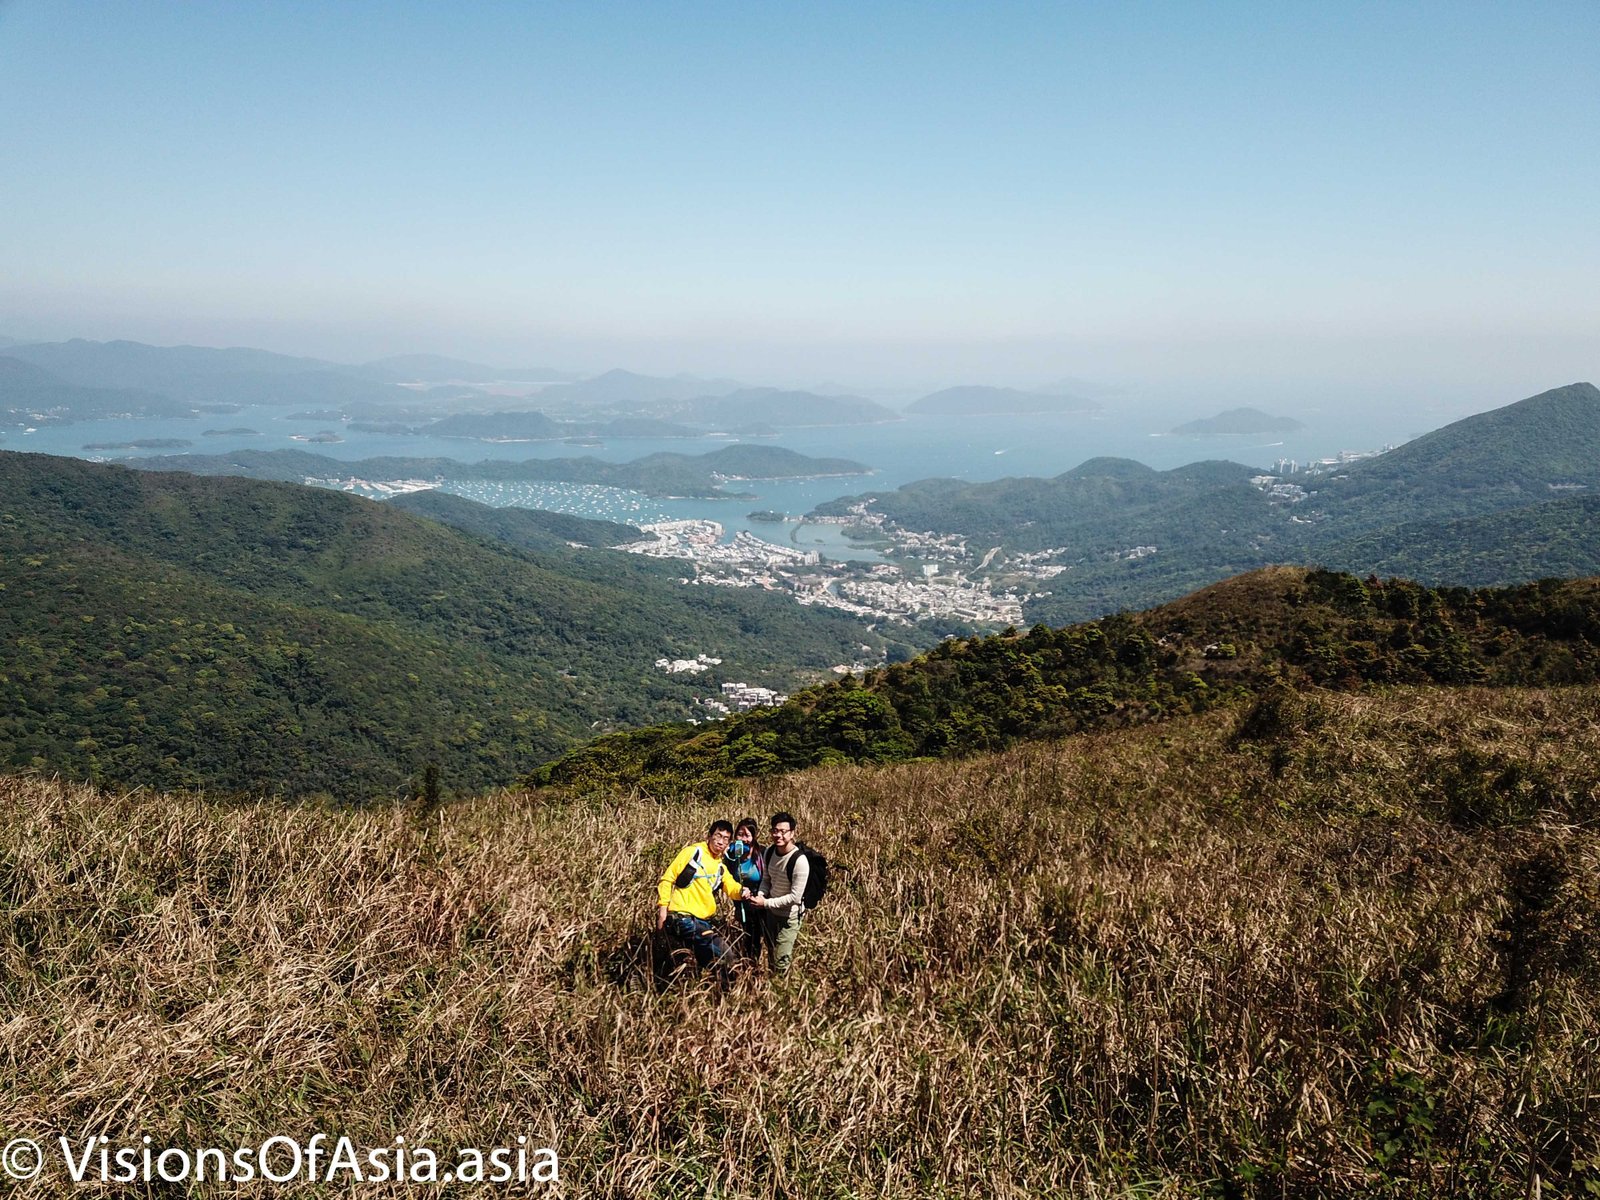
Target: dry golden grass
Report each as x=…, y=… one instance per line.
x=1354, y=953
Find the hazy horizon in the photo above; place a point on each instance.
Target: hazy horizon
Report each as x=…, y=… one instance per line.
x=1235, y=204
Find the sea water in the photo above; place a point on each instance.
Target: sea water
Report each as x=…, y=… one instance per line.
x=897, y=452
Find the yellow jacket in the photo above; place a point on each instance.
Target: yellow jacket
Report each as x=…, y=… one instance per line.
x=699, y=899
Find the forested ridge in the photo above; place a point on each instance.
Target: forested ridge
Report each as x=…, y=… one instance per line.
x=171, y=630
x=1278, y=628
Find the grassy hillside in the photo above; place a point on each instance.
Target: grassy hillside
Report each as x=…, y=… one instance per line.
x=170, y=630
x=1339, y=945
x=1252, y=633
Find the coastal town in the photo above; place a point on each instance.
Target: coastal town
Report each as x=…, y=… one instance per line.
x=877, y=591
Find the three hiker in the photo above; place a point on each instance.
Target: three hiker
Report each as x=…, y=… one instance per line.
x=768, y=886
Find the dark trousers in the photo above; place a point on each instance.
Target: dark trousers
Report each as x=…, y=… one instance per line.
x=701, y=935
x=753, y=922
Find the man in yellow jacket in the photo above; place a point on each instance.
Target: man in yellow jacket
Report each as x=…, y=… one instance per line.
x=686, y=896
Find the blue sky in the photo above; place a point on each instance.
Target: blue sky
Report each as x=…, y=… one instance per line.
x=1212, y=195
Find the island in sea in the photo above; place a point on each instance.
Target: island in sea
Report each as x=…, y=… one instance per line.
x=1238, y=422
x=141, y=444
x=662, y=474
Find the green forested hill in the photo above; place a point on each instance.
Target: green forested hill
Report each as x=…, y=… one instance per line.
x=175, y=630
x=1102, y=506
x=1555, y=538
x=1508, y=458
x=1242, y=636
x=524, y=528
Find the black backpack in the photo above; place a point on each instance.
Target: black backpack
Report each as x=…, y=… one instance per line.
x=817, y=878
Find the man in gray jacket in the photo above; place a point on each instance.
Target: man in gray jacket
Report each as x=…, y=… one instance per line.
x=783, y=892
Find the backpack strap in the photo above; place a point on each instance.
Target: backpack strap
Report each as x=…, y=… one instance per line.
x=788, y=865
x=692, y=867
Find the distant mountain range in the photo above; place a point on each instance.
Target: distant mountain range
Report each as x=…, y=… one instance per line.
x=777, y=408
x=435, y=368
x=191, y=375
x=135, y=364
x=536, y=426
x=173, y=380
x=1238, y=422
x=624, y=390
x=174, y=631
x=31, y=395
x=978, y=401
x=719, y=404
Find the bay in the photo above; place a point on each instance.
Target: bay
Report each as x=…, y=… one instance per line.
x=899, y=452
